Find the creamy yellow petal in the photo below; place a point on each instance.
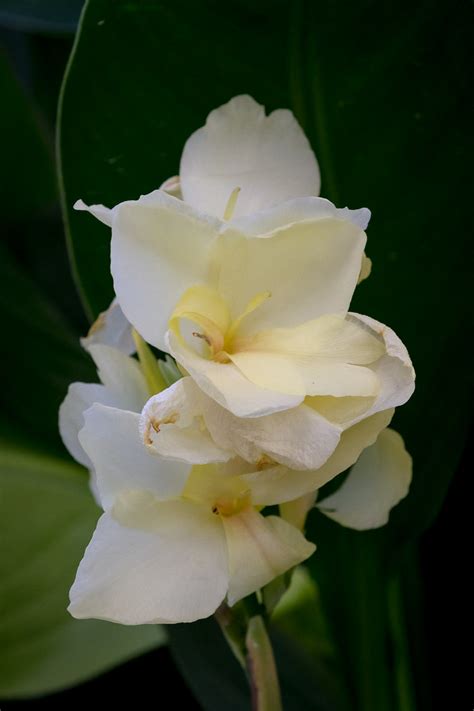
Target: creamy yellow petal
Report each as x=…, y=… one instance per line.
x=259, y=550
x=376, y=483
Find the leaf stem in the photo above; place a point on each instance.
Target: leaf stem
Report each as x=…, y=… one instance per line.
x=261, y=667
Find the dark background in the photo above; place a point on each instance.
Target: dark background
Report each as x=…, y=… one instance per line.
x=38, y=48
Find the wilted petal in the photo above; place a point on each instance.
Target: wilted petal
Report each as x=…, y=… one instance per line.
x=112, y=440
x=172, y=424
x=299, y=437
x=260, y=549
x=173, y=571
x=376, y=483
x=268, y=157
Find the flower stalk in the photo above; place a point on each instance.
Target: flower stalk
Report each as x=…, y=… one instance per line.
x=261, y=666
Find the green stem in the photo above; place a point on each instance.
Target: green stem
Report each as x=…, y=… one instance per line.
x=262, y=668
x=149, y=364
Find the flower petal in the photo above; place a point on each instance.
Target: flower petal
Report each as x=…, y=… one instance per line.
x=160, y=248
x=310, y=267
x=111, y=438
x=298, y=438
x=301, y=376
x=268, y=157
x=80, y=396
x=122, y=376
x=171, y=424
x=226, y=384
x=260, y=549
x=394, y=370
x=279, y=484
x=175, y=571
x=111, y=328
x=102, y=213
x=376, y=483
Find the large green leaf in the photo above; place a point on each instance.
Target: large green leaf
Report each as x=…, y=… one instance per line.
x=47, y=517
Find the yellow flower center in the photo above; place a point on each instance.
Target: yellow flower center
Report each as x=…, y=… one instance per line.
x=225, y=495
x=205, y=307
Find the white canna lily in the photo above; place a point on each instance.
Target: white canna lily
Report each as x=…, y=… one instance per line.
x=266, y=291
x=175, y=539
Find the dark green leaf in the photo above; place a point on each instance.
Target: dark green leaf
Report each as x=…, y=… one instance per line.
x=48, y=515
x=40, y=357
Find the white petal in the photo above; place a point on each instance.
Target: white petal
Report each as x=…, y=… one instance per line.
x=394, y=370
x=269, y=158
x=102, y=213
x=121, y=375
x=160, y=248
x=176, y=572
x=227, y=386
x=299, y=437
x=280, y=484
x=310, y=266
x=172, y=425
x=376, y=483
x=80, y=396
x=111, y=328
x=300, y=209
x=320, y=357
x=111, y=438
x=301, y=376
x=260, y=549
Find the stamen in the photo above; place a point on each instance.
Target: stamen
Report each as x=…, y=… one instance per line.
x=203, y=336
x=231, y=202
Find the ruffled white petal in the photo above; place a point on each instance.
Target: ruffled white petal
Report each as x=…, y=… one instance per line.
x=259, y=550
x=226, y=384
x=279, y=484
x=111, y=438
x=173, y=571
x=298, y=438
x=376, y=483
x=394, y=370
x=172, y=425
x=268, y=157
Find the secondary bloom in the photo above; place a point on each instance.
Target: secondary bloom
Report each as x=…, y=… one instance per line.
x=175, y=539
x=251, y=293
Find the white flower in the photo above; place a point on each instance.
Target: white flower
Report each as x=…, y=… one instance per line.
x=266, y=293
x=175, y=539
